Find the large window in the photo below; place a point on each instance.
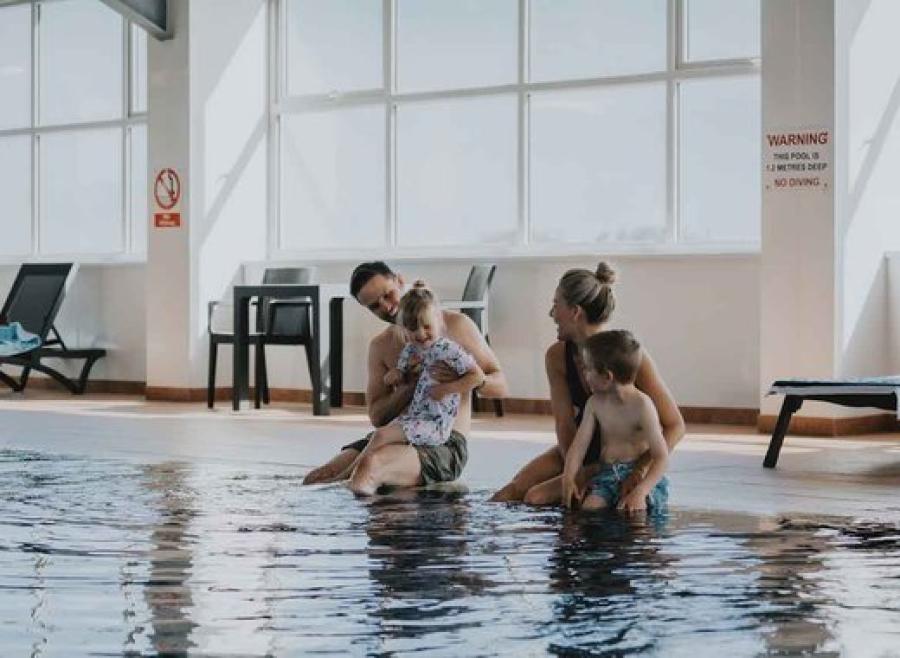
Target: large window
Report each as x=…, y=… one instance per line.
x=73, y=134
x=420, y=125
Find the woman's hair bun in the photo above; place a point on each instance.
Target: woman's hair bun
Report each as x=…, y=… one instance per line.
x=419, y=283
x=605, y=273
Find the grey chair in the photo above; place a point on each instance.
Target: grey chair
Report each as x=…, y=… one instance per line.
x=475, y=304
x=278, y=322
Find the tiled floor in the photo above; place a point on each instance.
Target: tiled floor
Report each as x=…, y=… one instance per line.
x=715, y=467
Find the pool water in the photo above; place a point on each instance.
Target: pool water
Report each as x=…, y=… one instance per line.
x=105, y=557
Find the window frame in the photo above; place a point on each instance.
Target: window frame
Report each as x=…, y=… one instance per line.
x=678, y=69
x=128, y=119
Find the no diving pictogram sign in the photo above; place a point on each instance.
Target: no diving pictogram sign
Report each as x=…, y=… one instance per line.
x=167, y=189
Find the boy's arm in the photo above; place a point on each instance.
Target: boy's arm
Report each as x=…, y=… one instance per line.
x=658, y=452
x=576, y=452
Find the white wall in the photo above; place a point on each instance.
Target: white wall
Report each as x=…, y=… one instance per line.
x=698, y=316
x=867, y=196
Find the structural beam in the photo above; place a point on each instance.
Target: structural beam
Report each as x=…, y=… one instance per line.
x=152, y=15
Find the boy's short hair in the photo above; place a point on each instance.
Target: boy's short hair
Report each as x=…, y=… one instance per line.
x=365, y=271
x=616, y=351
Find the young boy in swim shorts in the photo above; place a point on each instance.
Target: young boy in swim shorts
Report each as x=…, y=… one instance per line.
x=629, y=425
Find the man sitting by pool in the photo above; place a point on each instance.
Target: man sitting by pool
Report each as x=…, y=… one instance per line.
x=378, y=288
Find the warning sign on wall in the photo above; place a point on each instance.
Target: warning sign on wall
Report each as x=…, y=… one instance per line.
x=167, y=197
x=797, y=159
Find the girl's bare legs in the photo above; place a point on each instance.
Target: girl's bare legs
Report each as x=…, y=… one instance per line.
x=381, y=437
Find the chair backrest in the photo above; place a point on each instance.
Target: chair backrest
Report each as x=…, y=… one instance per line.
x=291, y=321
x=36, y=295
x=274, y=275
x=479, y=283
x=478, y=287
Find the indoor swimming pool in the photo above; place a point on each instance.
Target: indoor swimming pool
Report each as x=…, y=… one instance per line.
x=108, y=557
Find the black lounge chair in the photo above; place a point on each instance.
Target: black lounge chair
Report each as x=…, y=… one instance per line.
x=34, y=301
x=878, y=392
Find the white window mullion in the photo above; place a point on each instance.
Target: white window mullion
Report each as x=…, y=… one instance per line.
x=274, y=86
x=673, y=57
x=127, y=219
x=389, y=64
x=36, y=143
x=522, y=146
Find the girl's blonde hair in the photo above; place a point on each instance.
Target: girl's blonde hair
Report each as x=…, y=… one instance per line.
x=414, y=304
x=592, y=291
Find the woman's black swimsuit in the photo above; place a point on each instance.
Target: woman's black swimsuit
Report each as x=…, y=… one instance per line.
x=579, y=398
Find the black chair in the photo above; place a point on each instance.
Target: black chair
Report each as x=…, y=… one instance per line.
x=278, y=322
x=474, y=303
x=34, y=301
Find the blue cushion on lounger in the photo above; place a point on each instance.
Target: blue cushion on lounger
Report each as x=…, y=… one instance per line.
x=15, y=340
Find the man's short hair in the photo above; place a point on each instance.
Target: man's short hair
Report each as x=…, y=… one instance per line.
x=365, y=271
x=616, y=351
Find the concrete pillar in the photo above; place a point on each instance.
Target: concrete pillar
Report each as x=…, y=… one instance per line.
x=207, y=120
x=829, y=67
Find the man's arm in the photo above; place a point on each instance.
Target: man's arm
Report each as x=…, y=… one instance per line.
x=466, y=333
x=383, y=403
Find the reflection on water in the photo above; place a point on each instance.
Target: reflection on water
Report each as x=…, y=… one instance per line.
x=107, y=558
x=170, y=558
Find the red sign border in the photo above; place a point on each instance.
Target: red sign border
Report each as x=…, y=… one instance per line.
x=173, y=198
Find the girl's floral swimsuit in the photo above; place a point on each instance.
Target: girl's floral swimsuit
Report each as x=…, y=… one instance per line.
x=428, y=422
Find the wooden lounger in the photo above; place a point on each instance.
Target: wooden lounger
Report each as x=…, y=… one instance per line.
x=878, y=392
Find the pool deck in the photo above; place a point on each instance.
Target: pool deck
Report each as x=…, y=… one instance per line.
x=716, y=467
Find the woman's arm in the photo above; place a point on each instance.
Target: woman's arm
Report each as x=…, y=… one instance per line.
x=560, y=400
x=636, y=499
x=650, y=382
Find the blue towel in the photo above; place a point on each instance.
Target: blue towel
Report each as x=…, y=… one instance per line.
x=15, y=340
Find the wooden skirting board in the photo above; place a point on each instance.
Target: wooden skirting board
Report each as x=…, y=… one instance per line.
x=802, y=425
x=814, y=426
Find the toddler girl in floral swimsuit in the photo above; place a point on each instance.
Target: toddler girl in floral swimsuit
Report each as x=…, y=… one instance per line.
x=428, y=420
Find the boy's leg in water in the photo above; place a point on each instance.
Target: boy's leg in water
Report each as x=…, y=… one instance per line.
x=594, y=502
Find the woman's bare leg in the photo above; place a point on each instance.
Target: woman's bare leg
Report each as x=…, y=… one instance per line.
x=550, y=491
x=545, y=466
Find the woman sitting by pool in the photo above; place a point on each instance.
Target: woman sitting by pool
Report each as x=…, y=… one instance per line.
x=582, y=305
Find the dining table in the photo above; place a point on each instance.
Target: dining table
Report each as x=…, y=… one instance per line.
x=327, y=389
